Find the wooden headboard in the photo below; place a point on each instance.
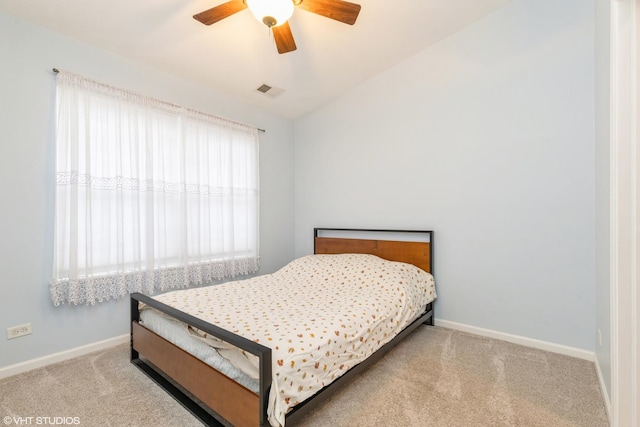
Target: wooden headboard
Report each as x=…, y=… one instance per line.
x=418, y=253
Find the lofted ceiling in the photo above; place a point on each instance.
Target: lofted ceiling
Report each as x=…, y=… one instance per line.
x=237, y=55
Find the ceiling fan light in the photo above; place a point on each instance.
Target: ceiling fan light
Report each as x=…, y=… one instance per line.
x=272, y=13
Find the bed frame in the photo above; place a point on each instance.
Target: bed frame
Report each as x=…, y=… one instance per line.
x=217, y=400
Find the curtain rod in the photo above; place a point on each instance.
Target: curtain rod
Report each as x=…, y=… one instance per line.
x=55, y=70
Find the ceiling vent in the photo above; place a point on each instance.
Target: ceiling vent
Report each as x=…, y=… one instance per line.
x=270, y=91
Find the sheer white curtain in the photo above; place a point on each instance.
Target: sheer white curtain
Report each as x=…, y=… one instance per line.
x=149, y=195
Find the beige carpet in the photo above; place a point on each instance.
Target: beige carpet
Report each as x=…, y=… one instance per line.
x=436, y=377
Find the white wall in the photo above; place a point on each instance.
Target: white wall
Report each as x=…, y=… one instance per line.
x=602, y=173
x=26, y=182
x=488, y=139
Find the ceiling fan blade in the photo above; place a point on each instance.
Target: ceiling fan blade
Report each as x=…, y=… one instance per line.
x=339, y=10
x=284, y=38
x=213, y=15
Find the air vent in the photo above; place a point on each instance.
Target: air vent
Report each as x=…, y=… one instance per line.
x=264, y=88
x=270, y=91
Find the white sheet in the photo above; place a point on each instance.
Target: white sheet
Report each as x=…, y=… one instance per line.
x=181, y=335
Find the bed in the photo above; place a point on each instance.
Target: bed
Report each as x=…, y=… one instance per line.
x=261, y=390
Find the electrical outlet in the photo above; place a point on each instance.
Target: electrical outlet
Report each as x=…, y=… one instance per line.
x=18, y=331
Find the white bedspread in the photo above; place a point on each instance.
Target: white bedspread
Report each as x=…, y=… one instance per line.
x=320, y=315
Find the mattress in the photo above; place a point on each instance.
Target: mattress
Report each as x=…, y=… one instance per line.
x=208, y=350
x=320, y=315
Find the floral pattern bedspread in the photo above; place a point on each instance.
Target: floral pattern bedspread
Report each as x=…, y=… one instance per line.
x=320, y=315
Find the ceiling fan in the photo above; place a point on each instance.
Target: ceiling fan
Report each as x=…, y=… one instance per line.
x=275, y=13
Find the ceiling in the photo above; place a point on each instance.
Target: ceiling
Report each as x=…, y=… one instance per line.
x=237, y=55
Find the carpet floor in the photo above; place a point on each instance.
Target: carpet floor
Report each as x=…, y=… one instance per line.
x=435, y=377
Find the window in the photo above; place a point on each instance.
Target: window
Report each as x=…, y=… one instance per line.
x=149, y=196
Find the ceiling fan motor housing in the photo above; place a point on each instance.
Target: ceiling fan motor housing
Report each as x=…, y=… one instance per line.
x=269, y=21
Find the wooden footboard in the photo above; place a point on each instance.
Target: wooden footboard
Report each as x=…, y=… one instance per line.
x=232, y=401
x=186, y=377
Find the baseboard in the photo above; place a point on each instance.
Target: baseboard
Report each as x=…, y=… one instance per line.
x=603, y=388
x=516, y=339
x=19, y=368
